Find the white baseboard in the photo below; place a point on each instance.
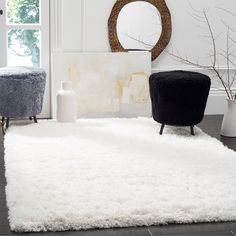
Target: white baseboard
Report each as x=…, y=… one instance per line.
x=216, y=104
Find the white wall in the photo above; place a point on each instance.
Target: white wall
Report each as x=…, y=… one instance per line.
x=81, y=25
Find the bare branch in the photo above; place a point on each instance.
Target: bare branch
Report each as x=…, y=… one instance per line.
x=230, y=61
x=225, y=10
x=197, y=17
x=194, y=9
x=234, y=64
x=231, y=29
x=188, y=62
x=147, y=45
x=212, y=37
x=222, y=82
x=232, y=40
x=227, y=61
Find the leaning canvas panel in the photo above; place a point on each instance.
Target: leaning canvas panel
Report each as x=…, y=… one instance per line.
x=106, y=84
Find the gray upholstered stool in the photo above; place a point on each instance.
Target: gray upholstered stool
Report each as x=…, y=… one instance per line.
x=21, y=92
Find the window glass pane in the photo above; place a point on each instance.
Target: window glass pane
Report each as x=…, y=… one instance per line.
x=24, y=47
x=23, y=11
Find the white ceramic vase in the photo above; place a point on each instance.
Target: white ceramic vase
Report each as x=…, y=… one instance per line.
x=66, y=103
x=228, y=128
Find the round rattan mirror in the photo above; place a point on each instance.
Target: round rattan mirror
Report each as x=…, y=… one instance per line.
x=129, y=10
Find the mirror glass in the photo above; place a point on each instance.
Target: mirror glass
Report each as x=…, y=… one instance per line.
x=139, y=26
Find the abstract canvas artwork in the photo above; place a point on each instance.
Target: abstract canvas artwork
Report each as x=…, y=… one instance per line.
x=106, y=84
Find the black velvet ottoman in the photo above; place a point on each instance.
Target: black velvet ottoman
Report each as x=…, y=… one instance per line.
x=179, y=98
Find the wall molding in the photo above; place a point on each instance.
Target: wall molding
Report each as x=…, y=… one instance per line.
x=182, y=67
x=214, y=89
x=56, y=25
x=82, y=24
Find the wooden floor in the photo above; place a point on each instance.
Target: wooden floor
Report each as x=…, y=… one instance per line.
x=211, y=125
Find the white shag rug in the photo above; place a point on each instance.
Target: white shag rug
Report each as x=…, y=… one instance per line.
x=115, y=173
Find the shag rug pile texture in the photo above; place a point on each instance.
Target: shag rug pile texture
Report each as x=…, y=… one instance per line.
x=115, y=173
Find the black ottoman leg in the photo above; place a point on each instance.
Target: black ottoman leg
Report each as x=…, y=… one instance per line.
x=8, y=122
x=192, y=130
x=35, y=119
x=3, y=128
x=3, y=125
x=30, y=118
x=162, y=128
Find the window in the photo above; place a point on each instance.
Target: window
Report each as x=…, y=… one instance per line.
x=25, y=26
x=24, y=37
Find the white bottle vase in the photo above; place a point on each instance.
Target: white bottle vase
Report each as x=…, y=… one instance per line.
x=66, y=103
x=228, y=128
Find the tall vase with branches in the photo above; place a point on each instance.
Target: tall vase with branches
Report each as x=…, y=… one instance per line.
x=226, y=78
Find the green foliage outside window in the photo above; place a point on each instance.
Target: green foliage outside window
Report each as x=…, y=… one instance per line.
x=24, y=12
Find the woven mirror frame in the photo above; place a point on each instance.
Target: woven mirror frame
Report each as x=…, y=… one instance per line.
x=166, y=26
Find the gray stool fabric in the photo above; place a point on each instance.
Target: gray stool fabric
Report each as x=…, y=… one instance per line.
x=21, y=91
